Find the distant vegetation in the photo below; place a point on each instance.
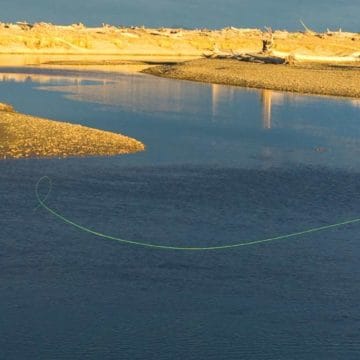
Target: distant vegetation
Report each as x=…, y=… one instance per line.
x=23, y=37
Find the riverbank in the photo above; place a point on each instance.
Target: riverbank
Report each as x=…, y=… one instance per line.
x=317, y=79
x=24, y=136
x=322, y=63
x=44, y=38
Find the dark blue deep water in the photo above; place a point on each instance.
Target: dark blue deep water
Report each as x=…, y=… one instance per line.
x=223, y=165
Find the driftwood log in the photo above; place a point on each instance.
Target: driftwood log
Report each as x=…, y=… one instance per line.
x=255, y=58
x=261, y=58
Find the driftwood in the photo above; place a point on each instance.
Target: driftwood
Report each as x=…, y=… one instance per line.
x=218, y=55
x=260, y=58
x=285, y=58
x=255, y=58
x=267, y=41
x=307, y=30
x=24, y=25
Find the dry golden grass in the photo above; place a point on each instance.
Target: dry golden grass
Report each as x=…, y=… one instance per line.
x=24, y=136
x=76, y=39
x=6, y=107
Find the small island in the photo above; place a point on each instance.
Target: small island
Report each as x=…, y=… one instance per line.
x=305, y=78
x=25, y=136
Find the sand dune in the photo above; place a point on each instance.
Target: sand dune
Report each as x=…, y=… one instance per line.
x=45, y=38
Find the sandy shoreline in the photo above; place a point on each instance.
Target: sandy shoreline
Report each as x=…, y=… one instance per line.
x=167, y=53
x=338, y=79
x=24, y=136
x=43, y=38
x=142, y=49
x=317, y=79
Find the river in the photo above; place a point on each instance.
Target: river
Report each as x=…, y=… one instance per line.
x=223, y=165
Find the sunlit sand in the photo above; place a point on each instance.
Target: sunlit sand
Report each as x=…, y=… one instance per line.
x=43, y=38
x=318, y=79
x=25, y=136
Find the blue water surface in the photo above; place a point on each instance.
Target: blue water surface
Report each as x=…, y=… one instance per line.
x=222, y=165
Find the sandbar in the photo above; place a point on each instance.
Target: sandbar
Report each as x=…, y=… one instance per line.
x=25, y=136
x=307, y=78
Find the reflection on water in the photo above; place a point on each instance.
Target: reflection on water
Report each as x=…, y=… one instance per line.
x=193, y=122
x=220, y=94
x=266, y=99
x=269, y=98
x=135, y=92
x=355, y=102
x=45, y=79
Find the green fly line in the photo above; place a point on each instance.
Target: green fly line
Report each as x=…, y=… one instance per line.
x=43, y=205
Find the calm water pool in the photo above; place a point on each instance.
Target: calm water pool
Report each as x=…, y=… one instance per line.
x=222, y=165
